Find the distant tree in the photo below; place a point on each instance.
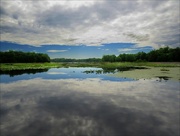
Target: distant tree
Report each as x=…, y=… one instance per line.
x=164, y=54
x=118, y=59
x=141, y=56
x=109, y=58
x=130, y=57
x=123, y=57
x=175, y=54
x=152, y=56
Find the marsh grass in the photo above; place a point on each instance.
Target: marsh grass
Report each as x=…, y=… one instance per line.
x=26, y=66
x=123, y=64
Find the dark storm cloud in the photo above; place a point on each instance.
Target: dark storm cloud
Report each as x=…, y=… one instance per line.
x=13, y=29
x=2, y=11
x=59, y=15
x=8, y=29
x=138, y=37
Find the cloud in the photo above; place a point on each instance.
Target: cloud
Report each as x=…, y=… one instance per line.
x=154, y=23
x=55, y=51
x=138, y=37
x=56, y=73
x=126, y=50
x=134, y=49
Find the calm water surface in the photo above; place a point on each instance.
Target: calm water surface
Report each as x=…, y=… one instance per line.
x=71, y=102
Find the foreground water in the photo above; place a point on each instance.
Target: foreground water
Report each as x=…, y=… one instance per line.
x=74, y=102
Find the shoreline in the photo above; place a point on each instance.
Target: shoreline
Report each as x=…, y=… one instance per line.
x=115, y=65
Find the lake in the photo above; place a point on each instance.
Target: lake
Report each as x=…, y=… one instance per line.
x=87, y=102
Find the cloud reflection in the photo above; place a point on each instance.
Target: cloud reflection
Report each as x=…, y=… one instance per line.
x=89, y=107
x=55, y=73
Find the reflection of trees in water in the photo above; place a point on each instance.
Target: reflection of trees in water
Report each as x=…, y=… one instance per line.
x=13, y=73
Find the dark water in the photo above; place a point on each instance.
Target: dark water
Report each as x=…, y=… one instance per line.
x=76, y=102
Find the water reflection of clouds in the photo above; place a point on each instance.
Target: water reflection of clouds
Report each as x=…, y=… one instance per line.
x=55, y=73
x=89, y=107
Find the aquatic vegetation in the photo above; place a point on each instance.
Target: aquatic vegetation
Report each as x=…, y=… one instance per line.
x=152, y=72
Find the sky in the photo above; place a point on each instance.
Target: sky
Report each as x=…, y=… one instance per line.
x=91, y=28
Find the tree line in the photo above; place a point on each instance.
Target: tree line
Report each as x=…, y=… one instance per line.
x=76, y=60
x=165, y=54
x=22, y=57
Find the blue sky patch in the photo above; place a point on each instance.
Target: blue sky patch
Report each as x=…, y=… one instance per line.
x=82, y=51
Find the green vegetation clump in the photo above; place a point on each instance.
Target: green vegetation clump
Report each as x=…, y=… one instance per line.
x=164, y=69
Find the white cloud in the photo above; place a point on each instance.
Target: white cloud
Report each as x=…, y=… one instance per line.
x=55, y=51
x=74, y=22
x=126, y=50
x=56, y=73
